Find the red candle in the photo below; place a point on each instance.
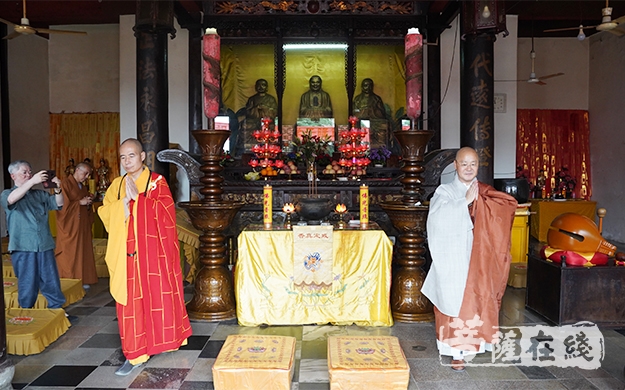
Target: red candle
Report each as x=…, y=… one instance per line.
x=414, y=73
x=212, y=72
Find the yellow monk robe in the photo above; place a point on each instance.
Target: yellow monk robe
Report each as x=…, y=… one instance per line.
x=143, y=258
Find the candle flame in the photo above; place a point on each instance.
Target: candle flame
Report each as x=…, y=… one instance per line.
x=288, y=208
x=340, y=208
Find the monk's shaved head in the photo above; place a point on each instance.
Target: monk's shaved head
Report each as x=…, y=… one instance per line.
x=462, y=151
x=134, y=142
x=467, y=164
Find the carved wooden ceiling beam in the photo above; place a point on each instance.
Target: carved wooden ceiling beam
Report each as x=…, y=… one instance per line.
x=314, y=7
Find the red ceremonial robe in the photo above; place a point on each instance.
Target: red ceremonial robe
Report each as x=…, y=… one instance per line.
x=493, y=215
x=74, y=245
x=154, y=318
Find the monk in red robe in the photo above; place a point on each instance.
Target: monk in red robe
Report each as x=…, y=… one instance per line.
x=74, y=244
x=143, y=257
x=469, y=226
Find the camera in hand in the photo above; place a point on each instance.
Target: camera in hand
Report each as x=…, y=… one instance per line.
x=49, y=183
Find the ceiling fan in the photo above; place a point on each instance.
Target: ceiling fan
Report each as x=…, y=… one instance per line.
x=24, y=28
x=607, y=24
x=533, y=79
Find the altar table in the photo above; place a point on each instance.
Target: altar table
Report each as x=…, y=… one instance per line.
x=360, y=292
x=546, y=210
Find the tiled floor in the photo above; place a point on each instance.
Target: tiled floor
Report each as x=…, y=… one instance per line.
x=87, y=356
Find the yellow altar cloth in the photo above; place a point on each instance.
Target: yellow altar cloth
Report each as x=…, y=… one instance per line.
x=360, y=292
x=30, y=331
x=367, y=362
x=255, y=362
x=72, y=289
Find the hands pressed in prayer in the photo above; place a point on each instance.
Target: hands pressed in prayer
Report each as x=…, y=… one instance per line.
x=131, y=189
x=472, y=192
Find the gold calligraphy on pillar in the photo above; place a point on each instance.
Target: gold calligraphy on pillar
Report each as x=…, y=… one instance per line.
x=479, y=95
x=481, y=129
x=147, y=69
x=485, y=155
x=481, y=61
x=147, y=100
x=146, y=134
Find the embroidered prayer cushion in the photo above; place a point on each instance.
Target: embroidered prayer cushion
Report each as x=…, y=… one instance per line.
x=575, y=259
x=367, y=362
x=255, y=362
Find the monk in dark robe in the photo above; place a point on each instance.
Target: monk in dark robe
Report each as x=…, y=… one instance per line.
x=74, y=245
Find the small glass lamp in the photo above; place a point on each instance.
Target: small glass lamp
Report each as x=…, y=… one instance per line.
x=288, y=209
x=341, y=210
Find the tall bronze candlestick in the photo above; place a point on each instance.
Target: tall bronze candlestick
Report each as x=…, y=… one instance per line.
x=409, y=218
x=213, y=296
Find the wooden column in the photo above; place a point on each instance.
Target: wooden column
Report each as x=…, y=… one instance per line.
x=195, y=86
x=476, y=101
x=154, y=21
x=434, y=90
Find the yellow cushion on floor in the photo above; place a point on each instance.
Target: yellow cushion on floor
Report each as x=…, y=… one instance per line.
x=367, y=362
x=7, y=266
x=517, y=277
x=255, y=362
x=30, y=331
x=72, y=289
x=99, y=253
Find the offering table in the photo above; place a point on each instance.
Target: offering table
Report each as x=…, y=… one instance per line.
x=360, y=290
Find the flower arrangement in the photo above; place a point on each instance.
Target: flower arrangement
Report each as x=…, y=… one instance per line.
x=310, y=147
x=379, y=155
x=523, y=173
x=226, y=158
x=565, y=181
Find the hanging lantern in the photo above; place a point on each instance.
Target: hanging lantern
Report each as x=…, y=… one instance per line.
x=155, y=16
x=483, y=16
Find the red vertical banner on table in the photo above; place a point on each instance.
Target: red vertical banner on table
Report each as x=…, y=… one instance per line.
x=211, y=71
x=364, y=205
x=267, y=205
x=413, y=53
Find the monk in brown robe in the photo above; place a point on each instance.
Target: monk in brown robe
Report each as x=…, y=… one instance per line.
x=74, y=245
x=469, y=226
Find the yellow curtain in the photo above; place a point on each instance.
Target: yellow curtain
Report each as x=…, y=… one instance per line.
x=241, y=66
x=384, y=64
x=84, y=135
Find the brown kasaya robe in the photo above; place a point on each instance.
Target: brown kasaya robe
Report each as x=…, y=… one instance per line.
x=74, y=245
x=493, y=215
